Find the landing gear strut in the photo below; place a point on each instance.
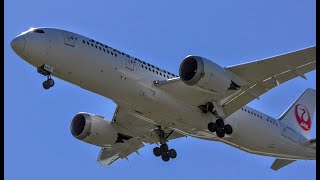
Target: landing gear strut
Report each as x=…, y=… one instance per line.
x=46, y=70
x=164, y=150
x=219, y=127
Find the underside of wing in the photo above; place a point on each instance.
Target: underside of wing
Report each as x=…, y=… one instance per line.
x=131, y=123
x=259, y=77
x=108, y=155
x=280, y=163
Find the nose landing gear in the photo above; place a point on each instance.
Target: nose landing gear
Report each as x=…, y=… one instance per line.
x=48, y=83
x=46, y=70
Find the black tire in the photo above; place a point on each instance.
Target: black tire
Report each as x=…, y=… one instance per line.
x=212, y=127
x=220, y=133
x=164, y=147
x=50, y=82
x=219, y=123
x=165, y=157
x=172, y=153
x=157, y=151
x=45, y=85
x=228, y=129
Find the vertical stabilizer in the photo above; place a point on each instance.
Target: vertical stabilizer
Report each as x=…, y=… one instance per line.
x=300, y=114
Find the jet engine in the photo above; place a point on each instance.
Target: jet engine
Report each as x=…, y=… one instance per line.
x=95, y=130
x=199, y=71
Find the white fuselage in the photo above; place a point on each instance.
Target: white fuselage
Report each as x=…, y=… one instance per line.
x=129, y=83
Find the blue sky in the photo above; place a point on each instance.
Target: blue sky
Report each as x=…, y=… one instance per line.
x=37, y=138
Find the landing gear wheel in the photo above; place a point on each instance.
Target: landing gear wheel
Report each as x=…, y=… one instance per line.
x=50, y=82
x=172, y=153
x=220, y=133
x=165, y=157
x=228, y=129
x=164, y=148
x=157, y=151
x=212, y=127
x=219, y=123
x=45, y=85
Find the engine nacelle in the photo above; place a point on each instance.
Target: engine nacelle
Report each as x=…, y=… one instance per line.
x=199, y=71
x=94, y=129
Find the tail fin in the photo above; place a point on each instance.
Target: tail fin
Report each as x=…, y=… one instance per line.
x=300, y=114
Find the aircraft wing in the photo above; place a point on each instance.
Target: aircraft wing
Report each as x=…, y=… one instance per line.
x=134, y=124
x=280, y=163
x=108, y=155
x=261, y=76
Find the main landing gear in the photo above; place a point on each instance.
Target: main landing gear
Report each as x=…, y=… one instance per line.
x=219, y=127
x=164, y=150
x=46, y=70
x=48, y=83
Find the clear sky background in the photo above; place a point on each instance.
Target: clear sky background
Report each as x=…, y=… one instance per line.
x=37, y=138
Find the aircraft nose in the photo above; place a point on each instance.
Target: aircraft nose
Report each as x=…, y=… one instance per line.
x=18, y=43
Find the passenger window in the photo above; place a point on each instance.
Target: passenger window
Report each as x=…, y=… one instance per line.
x=96, y=46
x=149, y=69
x=91, y=44
x=100, y=48
x=83, y=41
x=104, y=50
x=142, y=66
x=108, y=51
x=157, y=72
x=152, y=70
x=111, y=53
x=161, y=74
x=115, y=54
x=146, y=67
x=88, y=43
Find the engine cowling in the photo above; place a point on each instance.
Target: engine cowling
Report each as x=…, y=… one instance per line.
x=199, y=71
x=93, y=129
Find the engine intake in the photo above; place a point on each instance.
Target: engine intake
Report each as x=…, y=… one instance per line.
x=199, y=71
x=95, y=130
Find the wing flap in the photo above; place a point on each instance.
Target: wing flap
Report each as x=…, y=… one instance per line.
x=262, y=69
x=280, y=163
x=246, y=95
x=108, y=155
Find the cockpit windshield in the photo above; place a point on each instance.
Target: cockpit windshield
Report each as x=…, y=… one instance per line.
x=36, y=30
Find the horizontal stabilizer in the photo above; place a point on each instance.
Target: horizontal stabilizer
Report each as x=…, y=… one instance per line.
x=280, y=163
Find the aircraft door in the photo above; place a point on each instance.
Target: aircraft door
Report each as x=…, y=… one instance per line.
x=69, y=39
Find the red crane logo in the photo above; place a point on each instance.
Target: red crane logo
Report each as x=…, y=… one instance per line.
x=303, y=116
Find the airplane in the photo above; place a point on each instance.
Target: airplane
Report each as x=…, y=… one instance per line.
x=154, y=106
